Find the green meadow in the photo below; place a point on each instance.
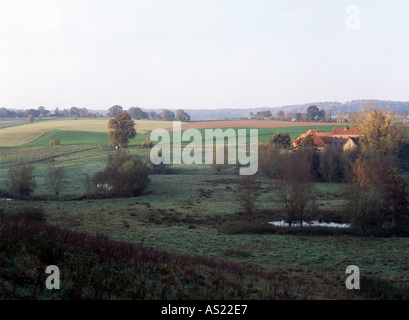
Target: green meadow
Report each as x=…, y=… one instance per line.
x=186, y=212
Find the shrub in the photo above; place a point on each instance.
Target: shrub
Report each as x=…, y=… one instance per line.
x=245, y=227
x=32, y=213
x=160, y=168
x=55, y=142
x=21, y=180
x=126, y=175
x=248, y=191
x=147, y=144
x=373, y=287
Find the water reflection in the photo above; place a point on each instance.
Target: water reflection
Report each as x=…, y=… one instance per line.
x=282, y=223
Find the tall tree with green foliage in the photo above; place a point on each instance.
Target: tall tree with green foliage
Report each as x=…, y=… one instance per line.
x=114, y=111
x=137, y=113
x=121, y=130
x=315, y=114
x=281, y=139
x=182, y=116
x=167, y=115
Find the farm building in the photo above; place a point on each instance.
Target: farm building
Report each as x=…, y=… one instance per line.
x=352, y=143
x=339, y=137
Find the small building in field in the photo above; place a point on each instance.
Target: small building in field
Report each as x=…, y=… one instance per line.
x=338, y=138
x=321, y=139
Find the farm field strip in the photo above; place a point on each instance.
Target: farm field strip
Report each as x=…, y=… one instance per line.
x=19, y=135
x=12, y=156
x=253, y=124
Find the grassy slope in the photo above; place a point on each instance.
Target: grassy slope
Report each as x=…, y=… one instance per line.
x=22, y=134
x=98, y=268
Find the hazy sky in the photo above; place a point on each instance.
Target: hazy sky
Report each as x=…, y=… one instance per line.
x=201, y=53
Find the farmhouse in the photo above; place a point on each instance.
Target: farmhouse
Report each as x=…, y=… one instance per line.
x=342, y=138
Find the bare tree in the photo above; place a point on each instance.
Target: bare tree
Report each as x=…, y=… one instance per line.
x=248, y=192
x=294, y=191
x=56, y=180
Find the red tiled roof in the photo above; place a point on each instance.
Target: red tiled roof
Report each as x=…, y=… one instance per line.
x=315, y=136
x=345, y=131
x=325, y=137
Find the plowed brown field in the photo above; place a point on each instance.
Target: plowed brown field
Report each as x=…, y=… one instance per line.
x=250, y=124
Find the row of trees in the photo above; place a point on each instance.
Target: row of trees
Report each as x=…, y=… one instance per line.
x=377, y=195
x=21, y=180
x=74, y=112
x=42, y=112
x=313, y=114
x=125, y=175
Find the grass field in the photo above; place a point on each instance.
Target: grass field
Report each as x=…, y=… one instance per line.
x=19, y=135
x=184, y=212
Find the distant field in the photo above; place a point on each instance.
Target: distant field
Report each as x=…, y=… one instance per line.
x=8, y=122
x=22, y=134
x=253, y=124
x=79, y=138
x=11, y=156
x=263, y=133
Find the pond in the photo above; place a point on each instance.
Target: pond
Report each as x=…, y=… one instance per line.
x=282, y=223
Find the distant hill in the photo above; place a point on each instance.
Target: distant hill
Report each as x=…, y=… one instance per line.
x=335, y=107
x=350, y=106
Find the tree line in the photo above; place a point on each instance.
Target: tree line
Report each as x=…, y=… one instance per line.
x=136, y=113
x=313, y=114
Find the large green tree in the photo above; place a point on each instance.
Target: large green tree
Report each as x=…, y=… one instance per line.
x=281, y=139
x=315, y=114
x=181, y=115
x=114, y=111
x=137, y=113
x=121, y=130
x=126, y=175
